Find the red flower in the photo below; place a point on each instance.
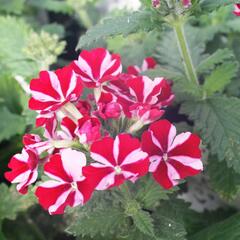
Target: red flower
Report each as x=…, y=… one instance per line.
x=117, y=160
x=156, y=3
x=173, y=157
x=49, y=123
x=24, y=169
x=142, y=98
x=34, y=142
x=108, y=107
x=53, y=89
x=88, y=129
x=84, y=107
x=68, y=186
x=148, y=63
x=237, y=9
x=97, y=66
x=186, y=3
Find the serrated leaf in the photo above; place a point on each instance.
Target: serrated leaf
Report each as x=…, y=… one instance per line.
x=143, y=222
x=10, y=124
x=220, y=77
x=218, y=57
x=142, y=219
x=227, y=229
x=99, y=217
x=223, y=180
x=149, y=193
x=11, y=202
x=218, y=120
x=121, y=25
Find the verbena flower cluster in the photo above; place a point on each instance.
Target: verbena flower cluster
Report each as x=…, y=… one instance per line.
x=91, y=113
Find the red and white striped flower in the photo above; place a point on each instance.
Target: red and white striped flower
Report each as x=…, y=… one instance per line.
x=34, y=142
x=49, y=122
x=53, y=89
x=141, y=97
x=237, y=9
x=88, y=129
x=97, y=66
x=117, y=160
x=173, y=157
x=148, y=63
x=68, y=186
x=23, y=169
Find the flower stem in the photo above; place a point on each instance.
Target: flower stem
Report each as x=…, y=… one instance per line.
x=70, y=110
x=63, y=143
x=178, y=26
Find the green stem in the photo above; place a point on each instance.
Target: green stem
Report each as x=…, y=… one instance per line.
x=178, y=26
x=126, y=191
x=63, y=143
x=70, y=110
x=38, y=233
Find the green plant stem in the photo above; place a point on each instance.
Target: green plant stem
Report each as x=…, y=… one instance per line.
x=126, y=191
x=38, y=233
x=178, y=26
x=70, y=110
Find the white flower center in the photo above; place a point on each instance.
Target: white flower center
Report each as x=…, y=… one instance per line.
x=165, y=157
x=118, y=170
x=74, y=185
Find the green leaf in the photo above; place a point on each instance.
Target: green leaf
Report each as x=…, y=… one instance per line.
x=227, y=229
x=224, y=180
x=210, y=5
x=11, y=202
x=171, y=60
x=121, y=25
x=234, y=24
x=220, y=77
x=10, y=124
x=9, y=85
x=13, y=6
x=14, y=33
x=52, y=5
x=142, y=219
x=216, y=58
x=54, y=28
x=99, y=217
x=169, y=220
x=144, y=222
x=218, y=119
x=149, y=193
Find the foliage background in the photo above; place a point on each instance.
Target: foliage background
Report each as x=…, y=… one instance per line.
x=37, y=35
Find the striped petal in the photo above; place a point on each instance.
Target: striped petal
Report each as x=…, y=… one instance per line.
x=23, y=169
x=97, y=66
x=53, y=89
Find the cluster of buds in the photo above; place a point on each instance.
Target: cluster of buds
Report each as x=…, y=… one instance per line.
x=90, y=112
x=185, y=3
